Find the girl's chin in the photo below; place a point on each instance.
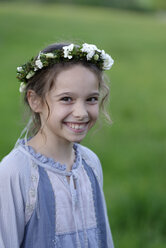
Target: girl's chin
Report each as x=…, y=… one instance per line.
x=77, y=139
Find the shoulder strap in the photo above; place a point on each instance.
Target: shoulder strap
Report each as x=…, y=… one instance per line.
x=93, y=161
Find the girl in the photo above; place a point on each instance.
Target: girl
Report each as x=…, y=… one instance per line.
x=51, y=186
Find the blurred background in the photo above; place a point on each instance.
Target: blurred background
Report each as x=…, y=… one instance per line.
x=133, y=149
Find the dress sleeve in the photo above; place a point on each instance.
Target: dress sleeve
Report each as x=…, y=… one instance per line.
x=12, y=202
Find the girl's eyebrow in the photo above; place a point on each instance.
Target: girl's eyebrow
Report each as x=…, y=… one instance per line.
x=96, y=93
x=64, y=93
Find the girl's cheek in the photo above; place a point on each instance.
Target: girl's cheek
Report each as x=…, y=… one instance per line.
x=63, y=110
x=96, y=111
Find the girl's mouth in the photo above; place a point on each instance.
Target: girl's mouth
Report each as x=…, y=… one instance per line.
x=77, y=127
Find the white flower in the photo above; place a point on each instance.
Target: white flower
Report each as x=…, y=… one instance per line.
x=22, y=87
x=90, y=50
x=38, y=64
x=19, y=69
x=50, y=55
x=30, y=74
x=67, y=51
x=107, y=60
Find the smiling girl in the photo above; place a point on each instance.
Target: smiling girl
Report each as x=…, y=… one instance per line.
x=51, y=186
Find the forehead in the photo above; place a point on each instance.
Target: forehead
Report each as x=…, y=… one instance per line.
x=76, y=78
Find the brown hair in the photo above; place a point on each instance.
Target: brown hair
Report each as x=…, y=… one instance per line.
x=43, y=81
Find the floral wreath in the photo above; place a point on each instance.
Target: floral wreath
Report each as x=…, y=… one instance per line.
x=85, y=52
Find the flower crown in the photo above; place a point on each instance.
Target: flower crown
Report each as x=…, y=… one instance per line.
x=85, y=52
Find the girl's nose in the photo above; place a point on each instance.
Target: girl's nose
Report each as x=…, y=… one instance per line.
x=80, y=111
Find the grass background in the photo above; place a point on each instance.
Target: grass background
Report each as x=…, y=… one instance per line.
x=132, y=150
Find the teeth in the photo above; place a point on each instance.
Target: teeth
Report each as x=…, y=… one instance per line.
x=76, y=126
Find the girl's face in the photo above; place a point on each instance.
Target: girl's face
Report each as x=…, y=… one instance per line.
x=73, y=105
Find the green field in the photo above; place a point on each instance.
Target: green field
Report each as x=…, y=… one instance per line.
x=133, y=149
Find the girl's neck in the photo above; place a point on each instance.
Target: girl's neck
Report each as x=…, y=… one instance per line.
x=59, y=150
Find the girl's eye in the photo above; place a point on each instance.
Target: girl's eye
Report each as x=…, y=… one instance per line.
x=66, y=99
x=92, y=99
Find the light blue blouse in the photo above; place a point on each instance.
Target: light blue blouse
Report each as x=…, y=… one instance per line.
x=40, y=208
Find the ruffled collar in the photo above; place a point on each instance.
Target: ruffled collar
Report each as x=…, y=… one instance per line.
x=50, y=161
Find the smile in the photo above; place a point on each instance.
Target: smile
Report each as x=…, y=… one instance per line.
x=77, y=127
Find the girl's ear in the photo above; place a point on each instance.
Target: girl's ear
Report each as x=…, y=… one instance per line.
x=34, y=101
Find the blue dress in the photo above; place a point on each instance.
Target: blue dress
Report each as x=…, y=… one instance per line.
x=40, y=208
